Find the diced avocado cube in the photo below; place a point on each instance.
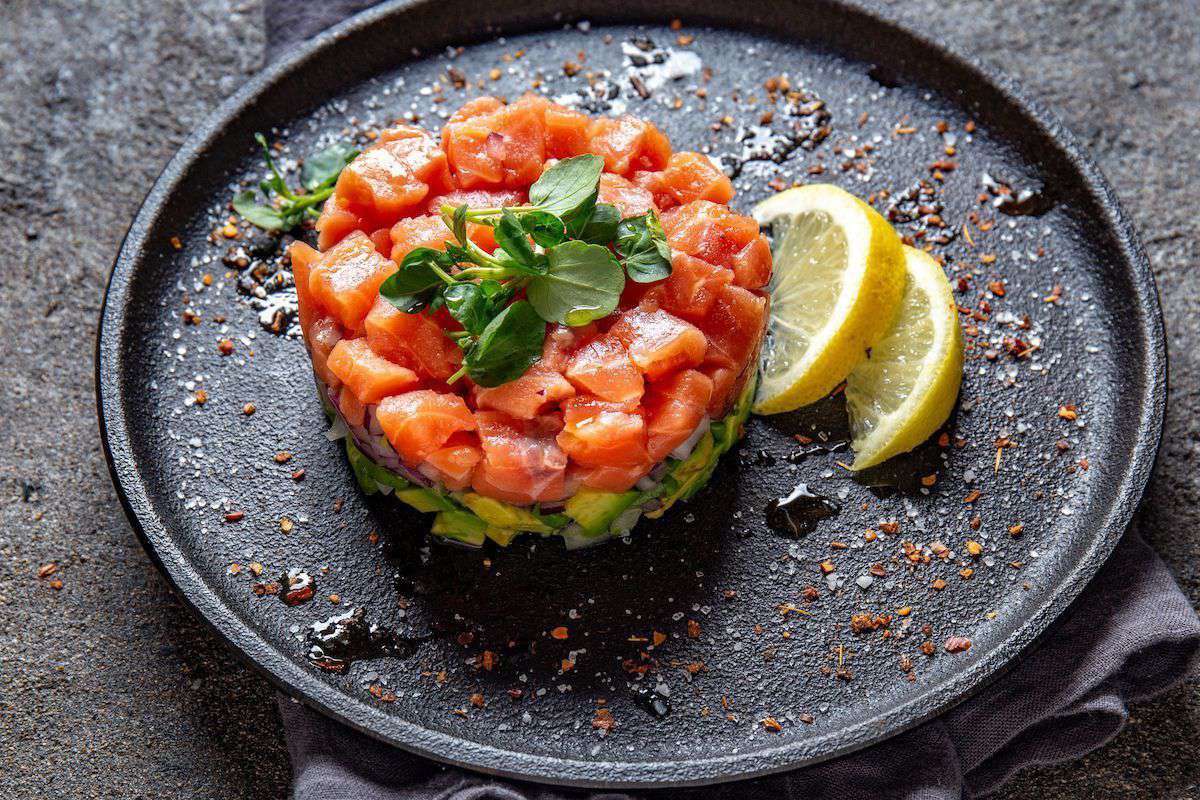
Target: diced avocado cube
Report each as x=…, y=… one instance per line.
x=426, y=500
x=504, y=515
x=363, y=469
x=594, y=511
x=501, y=536
x=689, y=474
x=462, y=526
x=555, y=521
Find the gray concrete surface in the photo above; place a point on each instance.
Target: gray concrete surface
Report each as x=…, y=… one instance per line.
x=108, y=688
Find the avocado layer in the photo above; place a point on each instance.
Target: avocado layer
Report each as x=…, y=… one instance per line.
x=589, y=516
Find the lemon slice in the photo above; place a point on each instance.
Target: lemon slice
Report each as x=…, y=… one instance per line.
x=837, y=282
x=906, y=388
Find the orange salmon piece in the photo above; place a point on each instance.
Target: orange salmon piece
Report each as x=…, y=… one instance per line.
x=709, y=231
x=505, y=147
x=600, y=434
x=613, y=479
x=353, y=409
x=687, y=177
x=659, y=342
x=430, y=231
x=393, y=175
x=382, y=239
x=603, y=368
x=454, y=464
x=415, y=340
x=521, y=462
x=631, y=200
x=528, y=395
x=322, y=336
x=336, y=223
x=369, y=376
x=566, y=132
x=752, y=265
x=420, y=422
x=724, y=381
x=691, y=289
x=346, y=280
x=303, y=258
x=477, y=198
x=628, y=144
x=674, y=407
x=561, y=342
x=735, y=327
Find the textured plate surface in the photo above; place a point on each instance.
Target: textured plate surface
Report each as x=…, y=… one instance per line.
x=709, y=603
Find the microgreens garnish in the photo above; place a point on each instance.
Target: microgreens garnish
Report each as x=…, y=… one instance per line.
x=284, y=208
x=558, y=251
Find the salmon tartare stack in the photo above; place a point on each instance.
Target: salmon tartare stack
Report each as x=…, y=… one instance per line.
x=536, y=321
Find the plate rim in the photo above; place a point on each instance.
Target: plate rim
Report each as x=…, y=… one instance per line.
x=305, y=686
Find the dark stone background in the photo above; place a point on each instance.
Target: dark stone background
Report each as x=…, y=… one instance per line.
x=108, y=687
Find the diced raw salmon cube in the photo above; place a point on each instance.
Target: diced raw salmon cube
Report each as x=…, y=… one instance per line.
x=612, y=479
x=369, y=376
x=527, y=396
x=303, y=259
x=566, y=132
x=674, y=408
x=336, y=223
x=631, y=200
x=454, y=464
x=735, y=326
x=353, y=410
x=659, y=342
x=691, y=289
x=603, y=368
x=600, y=434
x=562, y=341
x=505, y=147
x=322, y=336
x=346, y=280
x=709, y=231
x=394, y=176
x=521, y=463
x=752, y=264
x=686, y=177
x=421, y=422
x=430, y=231
x=415, y=340
x=628, y=144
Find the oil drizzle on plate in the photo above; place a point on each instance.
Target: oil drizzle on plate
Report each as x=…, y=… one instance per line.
x=799, y=512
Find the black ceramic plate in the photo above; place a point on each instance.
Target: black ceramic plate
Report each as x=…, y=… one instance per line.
x=700, y=604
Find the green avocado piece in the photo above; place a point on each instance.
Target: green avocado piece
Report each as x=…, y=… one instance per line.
x=364, y=470
x=462, y=526
x=426, y=500
x=501, y=536
x=503, y=515
x=595, y=511
x=689, y=474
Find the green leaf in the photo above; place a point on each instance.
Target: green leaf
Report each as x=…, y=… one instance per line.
x=583, y=282
x=510, y=235
x=545, y=228
x=569, y=186
x=423, y=268
x=458, y=224
x=644, y=249
x=322, y=169
x=475, y=304
x=247, y=206
x=510, y=344
x=601, y=226
x=276, y=181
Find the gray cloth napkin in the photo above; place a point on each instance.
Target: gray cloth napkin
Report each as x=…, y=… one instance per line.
x=1131, y=635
